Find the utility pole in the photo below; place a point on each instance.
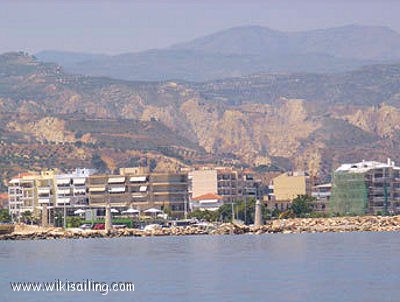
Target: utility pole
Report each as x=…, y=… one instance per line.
x=185, y=201
x=65, y=216
x=386, y=198
x=233, y=210
x=245, y=205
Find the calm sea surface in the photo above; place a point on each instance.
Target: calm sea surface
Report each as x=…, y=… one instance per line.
x=280, y=267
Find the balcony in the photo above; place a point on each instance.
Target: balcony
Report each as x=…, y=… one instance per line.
x=63, y=200
x=43, y=190
x=138, y=195
x=97, y=190
x=378, y=199
x=79, y=181
x=44, y=200
x=138, y=179
x=116, y=180
x=321, y=194
x=116, y=190
x=64, y=191
x=63, y=181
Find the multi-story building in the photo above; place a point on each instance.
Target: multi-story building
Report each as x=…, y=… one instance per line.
x=232, y=185
x=366, y=187
x=286, y=187
x=31, y=191
x=321, y=194
x=22, y=194
x=289, y=185
x=165, y=191
x=203, y=182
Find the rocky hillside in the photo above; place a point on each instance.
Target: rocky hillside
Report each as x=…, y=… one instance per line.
x=52, y=118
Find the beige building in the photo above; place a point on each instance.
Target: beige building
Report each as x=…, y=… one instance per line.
x=289, y=185
x=203, y=182
x=82, y=189
x=164, y=191
x=231, y=184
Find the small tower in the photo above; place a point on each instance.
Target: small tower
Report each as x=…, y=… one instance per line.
x=108, y=222
x=258, y=217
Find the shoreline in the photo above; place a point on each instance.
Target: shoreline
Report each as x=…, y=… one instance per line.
x=284, y=226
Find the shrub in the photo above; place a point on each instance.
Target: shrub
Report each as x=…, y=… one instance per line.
x=5, y=216
x=73, y=222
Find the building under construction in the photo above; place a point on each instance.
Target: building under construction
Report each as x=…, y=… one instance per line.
x=367, y=187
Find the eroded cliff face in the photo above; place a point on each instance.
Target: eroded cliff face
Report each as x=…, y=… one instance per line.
x=243, y=119
x=383, y=120
x=49, y=129
x=203, y=119
x=252, y=132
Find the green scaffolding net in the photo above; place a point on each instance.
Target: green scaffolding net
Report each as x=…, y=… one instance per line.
x=349, y=194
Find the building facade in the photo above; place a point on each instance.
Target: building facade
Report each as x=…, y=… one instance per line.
x=82, y=188
x=232, y=185
x=164, y=191
x=31, y=191
x=286, y=187
x=203, y=182
x=289, y=185
x=322, y=195
x=367, y=187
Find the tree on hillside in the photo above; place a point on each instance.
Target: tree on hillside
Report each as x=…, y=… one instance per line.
x=152, y=165
x=98, y=163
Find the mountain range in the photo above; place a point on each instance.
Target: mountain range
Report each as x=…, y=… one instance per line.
x=243, y=51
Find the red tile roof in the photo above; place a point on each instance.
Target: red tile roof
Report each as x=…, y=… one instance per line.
x=207, y=197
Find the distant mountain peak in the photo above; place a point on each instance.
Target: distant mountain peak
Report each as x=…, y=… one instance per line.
x=244, y=50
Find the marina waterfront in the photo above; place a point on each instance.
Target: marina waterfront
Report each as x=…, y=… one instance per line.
x=354, y=266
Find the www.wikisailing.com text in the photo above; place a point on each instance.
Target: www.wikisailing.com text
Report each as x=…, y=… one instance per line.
x=86, y=285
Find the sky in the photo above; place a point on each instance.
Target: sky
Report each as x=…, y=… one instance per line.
x=114, y=27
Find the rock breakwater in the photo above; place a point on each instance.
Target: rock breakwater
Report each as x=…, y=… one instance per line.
x=295, y=225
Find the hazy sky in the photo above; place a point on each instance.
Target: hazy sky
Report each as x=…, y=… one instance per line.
x=126, y=26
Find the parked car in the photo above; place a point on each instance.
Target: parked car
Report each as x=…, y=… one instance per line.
x=86, y=226
x=99, y=226
x=119, y=226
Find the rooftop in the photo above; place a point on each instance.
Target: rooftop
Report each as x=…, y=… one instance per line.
x=208, y=196
x=365, y=166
